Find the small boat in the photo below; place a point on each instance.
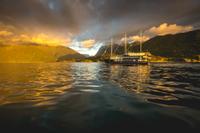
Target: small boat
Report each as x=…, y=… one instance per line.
x=129, y=58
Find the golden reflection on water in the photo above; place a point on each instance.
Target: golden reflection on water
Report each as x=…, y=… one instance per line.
x=44, y=84
x=139, y=80
x=133, y=77
x=36, y=83
x=142, y=77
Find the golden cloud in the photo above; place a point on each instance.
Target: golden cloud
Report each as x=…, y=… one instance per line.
x=88, y=43
x=45, y=39
x=5, y=33
x=10, y=35
x=41, y=38
x=139, y=38
x=7, y=27
x=6, y=30
x=20, y=38
x=165, y=29
x=136, y=38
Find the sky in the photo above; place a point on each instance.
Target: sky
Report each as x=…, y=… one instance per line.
x=86, y=25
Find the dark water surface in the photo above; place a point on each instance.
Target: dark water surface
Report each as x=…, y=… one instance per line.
x=96, y=97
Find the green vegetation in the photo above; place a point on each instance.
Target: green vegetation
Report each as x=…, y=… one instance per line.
x=35, y=53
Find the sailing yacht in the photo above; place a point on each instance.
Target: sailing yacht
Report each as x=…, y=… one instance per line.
x=130, y=58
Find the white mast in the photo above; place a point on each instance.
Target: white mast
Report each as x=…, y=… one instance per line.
x=125, y=44
x=141, y=40
x=111, y=47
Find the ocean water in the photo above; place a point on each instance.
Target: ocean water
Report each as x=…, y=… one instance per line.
x=97, y=97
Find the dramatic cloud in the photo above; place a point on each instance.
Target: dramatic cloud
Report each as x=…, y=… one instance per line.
x=5, y=33
x=7, y=27
x=20, y=39
x=7, y=37
x=96, y=19
x=91, y=51
x=99, y=19
x=136, y=38
x=165, y=29
x=139, y=38
x=88, y=43
x=6, y=30
x=48, y=40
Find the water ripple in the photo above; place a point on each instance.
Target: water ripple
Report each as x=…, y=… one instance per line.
x=90, y=95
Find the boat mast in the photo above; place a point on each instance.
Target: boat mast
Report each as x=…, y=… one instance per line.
x=111, y=47
x=141, y=40
x=125, y=44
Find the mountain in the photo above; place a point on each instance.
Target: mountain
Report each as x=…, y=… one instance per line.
x=36, y=53
x=105, y=50
x=182, y=45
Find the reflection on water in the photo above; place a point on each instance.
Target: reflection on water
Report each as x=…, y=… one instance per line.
x=76, y=95
x=37, y=83
x=131, y=78
x=165, y=84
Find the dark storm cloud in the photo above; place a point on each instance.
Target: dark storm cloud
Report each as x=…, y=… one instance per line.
x=35, y=13
x=97, y=18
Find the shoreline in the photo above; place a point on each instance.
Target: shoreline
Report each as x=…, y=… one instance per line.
x=198, y=62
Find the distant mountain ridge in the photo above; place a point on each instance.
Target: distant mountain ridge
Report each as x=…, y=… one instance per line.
x=182, y=45
x=36, y=53
x=179, y=45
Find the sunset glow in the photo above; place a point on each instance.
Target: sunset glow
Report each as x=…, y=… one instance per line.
x=98, y=66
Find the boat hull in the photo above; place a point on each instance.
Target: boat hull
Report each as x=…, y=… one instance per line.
x=128, y=62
